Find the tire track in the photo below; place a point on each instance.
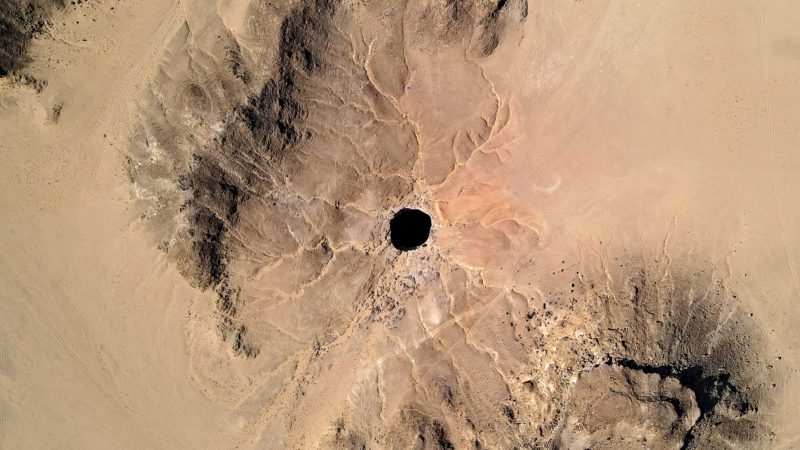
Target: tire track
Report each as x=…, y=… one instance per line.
x=59, y=337
x=771, y=132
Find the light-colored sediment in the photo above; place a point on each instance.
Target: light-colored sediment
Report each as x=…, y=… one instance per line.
x=194, y=251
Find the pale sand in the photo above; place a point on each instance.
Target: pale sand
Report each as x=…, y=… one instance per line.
x=613, y=191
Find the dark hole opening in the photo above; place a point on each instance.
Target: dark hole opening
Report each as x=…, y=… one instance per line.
x=409, y=229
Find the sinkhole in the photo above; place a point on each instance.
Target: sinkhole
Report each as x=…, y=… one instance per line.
x=409, y=228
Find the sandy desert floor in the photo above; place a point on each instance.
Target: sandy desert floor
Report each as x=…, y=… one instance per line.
x=196, y=198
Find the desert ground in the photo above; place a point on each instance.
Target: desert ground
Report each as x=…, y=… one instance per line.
x=197, y=199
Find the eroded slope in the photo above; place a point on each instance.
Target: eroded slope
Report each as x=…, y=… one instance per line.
x=269, y=159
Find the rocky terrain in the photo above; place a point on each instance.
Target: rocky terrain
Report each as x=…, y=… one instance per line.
x=201, y=229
